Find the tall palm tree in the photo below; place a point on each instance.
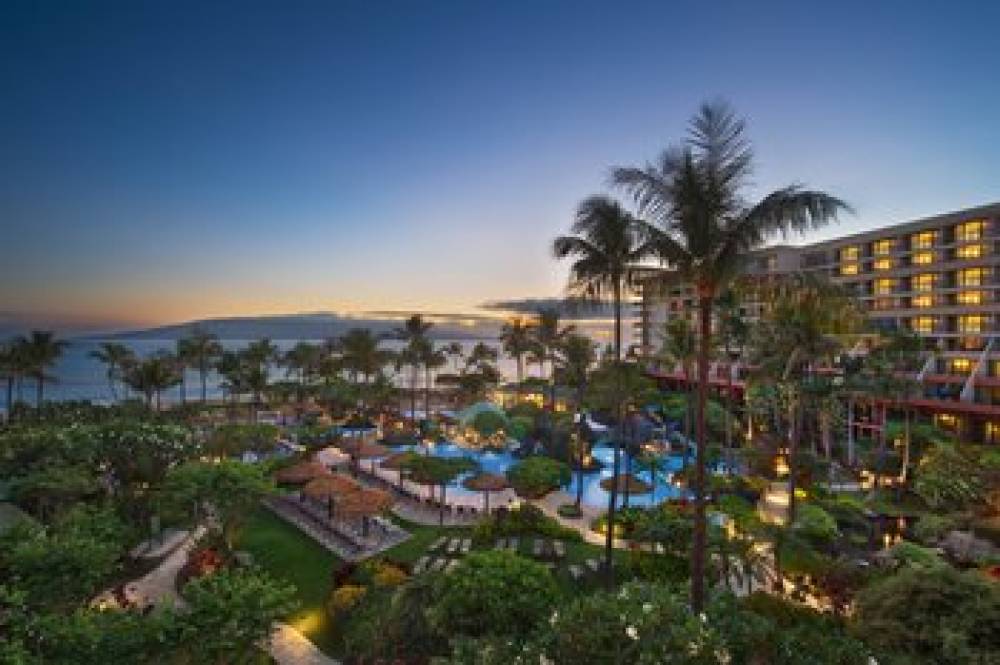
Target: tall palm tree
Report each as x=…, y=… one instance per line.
x=184, y=358
x=9, y=372
x=455, y=351
x=549, y=336
x=680, y=347
x=432, y=358
x=515, y=337
x=733, y=335
x=41, y=349
x=258, y=356
x=414, y=334
x=704, y=228
x=151, y=376
x=116, y=357
x=576, y=356
x=203, y=350
x=608, y=244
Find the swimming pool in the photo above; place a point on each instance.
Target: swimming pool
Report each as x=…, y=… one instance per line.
x=593, y=494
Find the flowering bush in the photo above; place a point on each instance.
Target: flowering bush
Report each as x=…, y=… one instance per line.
x=344, y=599
x=388, y=575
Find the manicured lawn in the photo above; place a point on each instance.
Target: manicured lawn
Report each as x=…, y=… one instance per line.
x=290, y=555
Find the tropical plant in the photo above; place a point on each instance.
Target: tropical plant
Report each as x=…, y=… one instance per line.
x=703, y=229
x=414, y=335
x=202, y=350
x=117, y=358
x=438, y=471
x=680, y=347
x=573, y=362
x=40, y=350
x=536, y=476
x=151, y=376
x=515, y=337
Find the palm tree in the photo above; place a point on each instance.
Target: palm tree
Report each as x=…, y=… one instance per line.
x=116, y=358
x=549, y=336
x=515, y=337
x=704, y=228
x=414, y=333
x=733, y=335
x=202, y=350
x=680, y=347
x=183, y=357
x=258, y=356
x=9, y=372
x=362, y=355
x=41, y=350
x=607, y=245
x=152, y=375
x=432, y=358
x=575, y=358
x=455, y=351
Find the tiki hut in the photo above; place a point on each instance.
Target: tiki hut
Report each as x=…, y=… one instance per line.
x=486, y=483
x=301, y=473
x=364, y=504
x=360, y=449
x=627, y=484
x=330, y=490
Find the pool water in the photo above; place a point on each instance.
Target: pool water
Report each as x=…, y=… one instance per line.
x=593, y=494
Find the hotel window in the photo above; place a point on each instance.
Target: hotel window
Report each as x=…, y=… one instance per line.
x=971, y=230
x=971, y=323
x=924, y=282
x=883, y=264
x=960, y=366
x=852, y=253
x=923, y=258
x=923, y=240
x=992, y=432
x=973, y=251
x=884, y=286
x=922, y=301
x=971, y=277
x=849, y=269
x=882, y=247
x=970, y=297
x=922, y=324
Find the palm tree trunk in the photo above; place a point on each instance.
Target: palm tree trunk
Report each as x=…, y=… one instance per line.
x=698, y=540
x=612, y=499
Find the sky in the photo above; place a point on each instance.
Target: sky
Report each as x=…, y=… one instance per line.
x=162, y=162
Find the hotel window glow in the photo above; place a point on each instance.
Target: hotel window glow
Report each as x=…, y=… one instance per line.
x=922, y=324
x=922, y=301
x=971, y=323
x=923, y=282
x=883, y=264
x=849, y=269
x=973, y=251
x=960, y=365
x=970, y=297
x=923, y=258
x=971, y=277
x=923, y=240
x=971, y=230
x=882, y=247
x=852, y=253
x=884, y=286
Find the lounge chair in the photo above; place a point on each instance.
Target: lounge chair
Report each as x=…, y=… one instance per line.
x=466, y=545
x=451, y=565
x=421, y=563
x=438, y=544
x=559, y=547
x=453, y=545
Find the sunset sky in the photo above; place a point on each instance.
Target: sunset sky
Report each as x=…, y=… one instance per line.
x=177, y=161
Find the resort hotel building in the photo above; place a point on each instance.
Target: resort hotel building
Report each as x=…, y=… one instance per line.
x=938, y=276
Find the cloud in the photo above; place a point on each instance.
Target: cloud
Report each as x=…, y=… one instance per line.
x=568, y=308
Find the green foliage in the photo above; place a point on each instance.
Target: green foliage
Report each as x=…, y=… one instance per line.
x=931, y=615
x=63, y=564
x=910, y=554
x=488, y=423
x=493, y=592
x=234, y=439
x=520, y=427
x=930, y=528
x=229, y=489
x=815, y=524
x=949, y=479
x=524, y=520
x=432, y=470
x=536, y=476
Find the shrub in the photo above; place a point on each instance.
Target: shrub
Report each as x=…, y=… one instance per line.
x=535, y=477
x=910, y=554
x=344, y=599
x=494, y=592
x=388, y=575
x=569, y=510
x=930, y=528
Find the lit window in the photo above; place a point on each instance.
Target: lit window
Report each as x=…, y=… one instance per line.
x=923, y=240
x=883, y=264
x=922, y=324
x=973, y=251
x=971, y=276
x=922, y=301
x=881, y=247
x=971, y=230
x=849, y=269
x=992, y=432
x=971, y=323
x=960, y=365
x=923, y=258
x=884, y=286
x=851, y=253
x=970, y=297
x=924, y=282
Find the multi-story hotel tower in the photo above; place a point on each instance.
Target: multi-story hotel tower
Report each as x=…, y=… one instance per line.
x=938, y=276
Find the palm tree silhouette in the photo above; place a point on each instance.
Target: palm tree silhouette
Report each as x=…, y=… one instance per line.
x=40, y=351
x=414, y=334
x=203, y=349
x=703, y=229
x=116, y=358
x=515, y=336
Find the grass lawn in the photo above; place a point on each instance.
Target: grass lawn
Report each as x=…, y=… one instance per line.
x=294, y=557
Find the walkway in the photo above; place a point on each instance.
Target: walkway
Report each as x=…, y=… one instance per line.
x=287, y=646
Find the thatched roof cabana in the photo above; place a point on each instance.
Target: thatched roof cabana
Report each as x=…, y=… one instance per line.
x=365, y=502
x=627, y=482
x=300, y=473
x=486, y=483
x=334, y=485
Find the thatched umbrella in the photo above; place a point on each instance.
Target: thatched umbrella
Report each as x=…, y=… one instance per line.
x=399, y=462
x=365, y=503
x=486, y=483
x=359, y=450
x=331, y=487
x=301, y=473
x=627, y=483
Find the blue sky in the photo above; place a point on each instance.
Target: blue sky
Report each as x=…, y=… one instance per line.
x=168, y=161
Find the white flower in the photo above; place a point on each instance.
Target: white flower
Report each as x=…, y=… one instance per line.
x=704, y=619
x=554, y=618
x=632, y=632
